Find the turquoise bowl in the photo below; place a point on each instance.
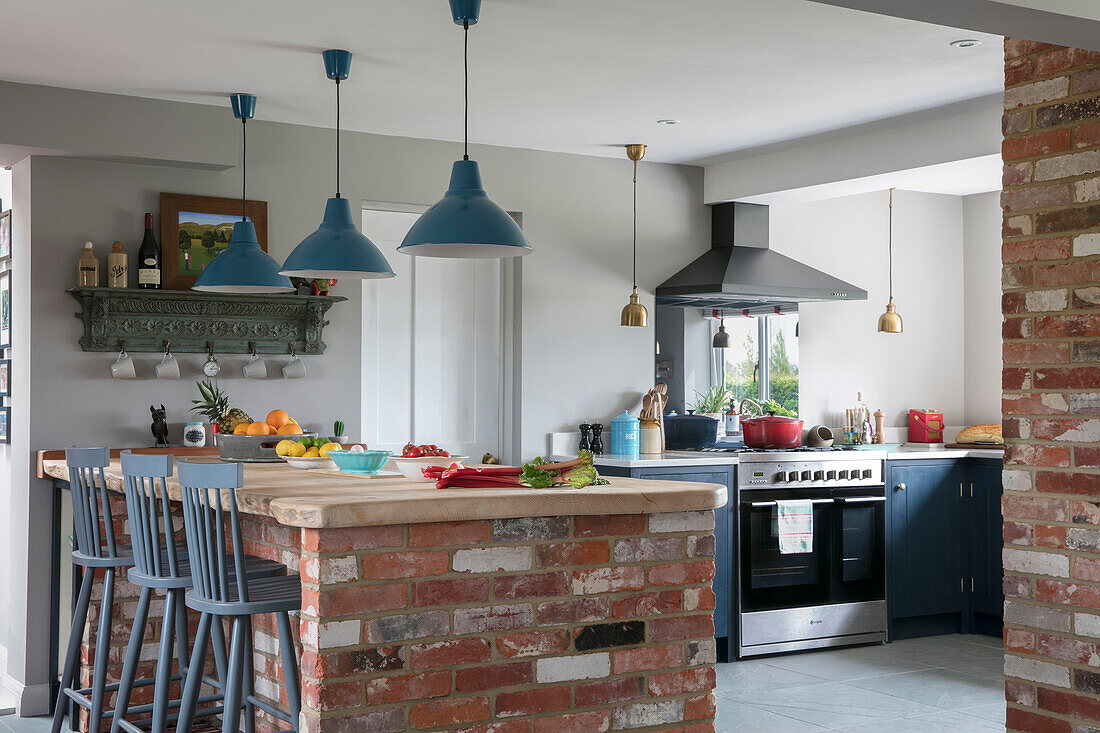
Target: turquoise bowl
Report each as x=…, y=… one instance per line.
x=367, y=463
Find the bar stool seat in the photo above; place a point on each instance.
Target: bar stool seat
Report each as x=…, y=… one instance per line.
x=254, y=566
x=265, y=595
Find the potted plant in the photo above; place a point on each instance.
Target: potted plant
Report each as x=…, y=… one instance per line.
x=711, y=403
x=338, y=433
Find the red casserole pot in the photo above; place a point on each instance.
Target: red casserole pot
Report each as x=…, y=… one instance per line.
x=772, y=431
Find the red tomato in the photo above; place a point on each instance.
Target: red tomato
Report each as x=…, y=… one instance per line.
x=414, y=452
x=444, y=454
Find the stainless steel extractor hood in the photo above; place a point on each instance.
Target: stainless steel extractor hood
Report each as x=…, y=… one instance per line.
x=739, y=272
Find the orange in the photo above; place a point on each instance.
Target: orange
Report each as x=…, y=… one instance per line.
x=259, y=428
x=277, y=418
x=241, y=429
x=290, y=429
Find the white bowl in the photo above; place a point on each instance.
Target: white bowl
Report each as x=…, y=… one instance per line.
x=411, y=467
x=312, y=462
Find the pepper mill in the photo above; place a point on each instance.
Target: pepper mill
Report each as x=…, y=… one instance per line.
x=586, y=429
x=597, y=441
x=880, y=419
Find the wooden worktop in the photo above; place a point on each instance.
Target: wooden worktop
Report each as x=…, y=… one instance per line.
x=317, y=500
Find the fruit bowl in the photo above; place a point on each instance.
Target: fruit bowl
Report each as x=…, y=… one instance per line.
x=411, y=467
x=253, y=448
x=367, y=463
x=310, y=463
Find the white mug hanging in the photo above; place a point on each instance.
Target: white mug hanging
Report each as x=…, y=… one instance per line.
x=210, y=367
x=255, y=368
x=295, y=368
x=123, y=367
x=168, y=368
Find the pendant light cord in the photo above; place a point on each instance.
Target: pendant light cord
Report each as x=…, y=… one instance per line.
x=635, y=236
x=337, y=137
x=891, y=247
x=244, y=166
x=466, y=89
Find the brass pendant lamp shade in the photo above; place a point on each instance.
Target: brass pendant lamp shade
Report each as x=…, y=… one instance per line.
x=634, y=313
x=721, y=339
x=890, y=321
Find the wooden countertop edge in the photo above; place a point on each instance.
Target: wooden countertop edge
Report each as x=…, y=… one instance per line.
x=303, y=509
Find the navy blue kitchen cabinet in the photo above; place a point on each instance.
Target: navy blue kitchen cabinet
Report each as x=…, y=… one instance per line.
x=725, y=560
x=926, y=592
x=944, y=546
x=985, y=540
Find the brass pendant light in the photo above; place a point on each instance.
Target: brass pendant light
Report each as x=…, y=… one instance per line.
x=890, y=321
x=634, y=313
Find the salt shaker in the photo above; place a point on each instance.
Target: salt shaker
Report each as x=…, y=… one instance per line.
x=586, y=431
x=597, y=441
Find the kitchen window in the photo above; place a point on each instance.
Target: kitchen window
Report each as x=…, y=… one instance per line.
x=762, y=360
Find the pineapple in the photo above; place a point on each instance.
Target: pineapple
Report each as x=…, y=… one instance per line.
x=215, y=406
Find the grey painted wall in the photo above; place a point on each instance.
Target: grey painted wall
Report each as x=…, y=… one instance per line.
x=575, y=359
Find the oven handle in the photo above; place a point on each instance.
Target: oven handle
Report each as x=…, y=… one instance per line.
x=862, y=499
x=772, y=503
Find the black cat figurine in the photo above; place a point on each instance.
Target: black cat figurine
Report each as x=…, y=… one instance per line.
x=159, y=426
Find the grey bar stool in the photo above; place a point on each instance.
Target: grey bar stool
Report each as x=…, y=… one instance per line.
x=162, y=563
x=224, y=589
x=94, y=535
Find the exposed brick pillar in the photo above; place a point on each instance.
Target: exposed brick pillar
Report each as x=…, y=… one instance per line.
x=1051, y=379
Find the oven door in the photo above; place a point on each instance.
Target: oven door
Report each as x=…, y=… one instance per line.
x=860, y=569
x=769, y=579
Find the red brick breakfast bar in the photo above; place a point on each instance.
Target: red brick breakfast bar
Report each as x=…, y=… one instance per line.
x=489, y=610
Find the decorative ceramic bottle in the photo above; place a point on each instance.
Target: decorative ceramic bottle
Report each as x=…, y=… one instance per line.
x=118, y=275
x=87, y=269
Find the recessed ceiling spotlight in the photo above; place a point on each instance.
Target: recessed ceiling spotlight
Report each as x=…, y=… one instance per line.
x=668, y=122
x=965, y=43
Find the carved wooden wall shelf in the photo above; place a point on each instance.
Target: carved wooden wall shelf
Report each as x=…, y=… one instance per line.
x=147, y=318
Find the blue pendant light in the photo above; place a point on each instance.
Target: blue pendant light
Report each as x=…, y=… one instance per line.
x=337, y=249
x=465, y=223
x=243, y=267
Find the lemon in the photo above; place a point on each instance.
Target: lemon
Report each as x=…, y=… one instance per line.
x=312, y=453
x=296, y=449
x=283, y=447
x=329, y=447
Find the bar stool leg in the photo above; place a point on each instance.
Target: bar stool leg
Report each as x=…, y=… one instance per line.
x=249, y=672
x=290, y=669
x=220, y=650
x=162, y=687
x=182, y=632
x=133, y=654
x=102, y=649
x=72, y=654
x=231, y=718
x=190, y=698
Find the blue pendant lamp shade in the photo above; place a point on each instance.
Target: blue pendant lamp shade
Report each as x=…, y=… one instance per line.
x=243, y=267
x=465, y=223
x=337, y=249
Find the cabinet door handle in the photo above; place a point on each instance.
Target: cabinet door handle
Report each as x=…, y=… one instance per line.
x=901, y=487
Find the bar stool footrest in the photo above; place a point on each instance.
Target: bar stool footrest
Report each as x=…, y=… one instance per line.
x=270, y=709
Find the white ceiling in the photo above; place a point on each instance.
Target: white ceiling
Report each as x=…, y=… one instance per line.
x=567, y=75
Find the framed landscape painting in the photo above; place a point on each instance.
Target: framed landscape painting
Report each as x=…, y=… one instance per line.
x=5, y=377
x=5, y=235
x=196, y=229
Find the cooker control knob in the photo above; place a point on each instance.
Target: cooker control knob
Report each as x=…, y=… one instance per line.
x=781, y=476
x=819, y=475
x=806, y=475
x=843, y=475
x=792, y=476
x=831, y=475
x=866, y=473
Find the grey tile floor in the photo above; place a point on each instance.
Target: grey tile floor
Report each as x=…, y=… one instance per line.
x=937, y=684
x=941, y=683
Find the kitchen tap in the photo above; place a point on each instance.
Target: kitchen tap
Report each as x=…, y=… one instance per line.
x=754, y=403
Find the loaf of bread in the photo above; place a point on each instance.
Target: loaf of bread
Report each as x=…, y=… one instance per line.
x=980, y=434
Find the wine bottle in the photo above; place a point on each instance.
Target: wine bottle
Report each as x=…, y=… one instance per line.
x=148, y=258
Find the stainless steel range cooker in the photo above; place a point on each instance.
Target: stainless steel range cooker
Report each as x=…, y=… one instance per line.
x=833, y=595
